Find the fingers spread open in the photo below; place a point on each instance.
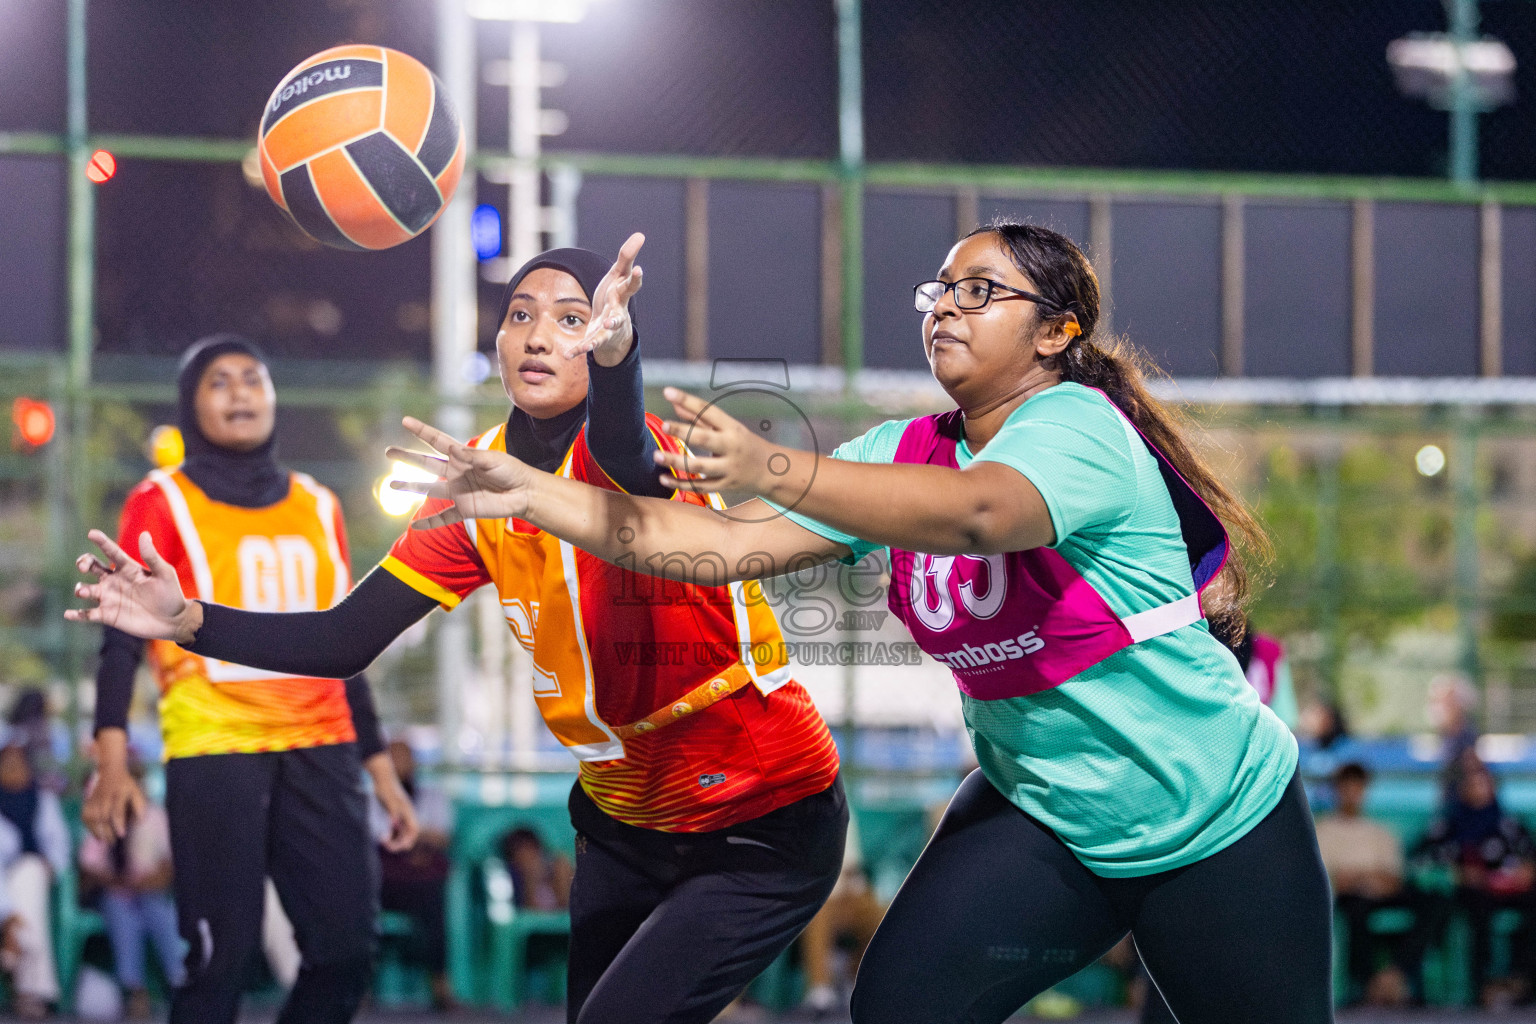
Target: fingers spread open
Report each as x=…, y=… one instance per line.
x=439, y=440
x=691, y=408
x=430, y=461
x=446, y=517
x=431, y=488
x=627, y=253
x=631, y=284
x=157, y=565
x=120, y=558
x=93, y=566
x=697, y=485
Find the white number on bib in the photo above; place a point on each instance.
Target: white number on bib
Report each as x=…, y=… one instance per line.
x=930, y=583
x=277, y=574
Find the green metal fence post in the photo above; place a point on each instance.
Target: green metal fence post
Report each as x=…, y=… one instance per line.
x=850, y=117
x=1465, y=499
x=82, y=327
x=1330, y=584
x=1464, y=20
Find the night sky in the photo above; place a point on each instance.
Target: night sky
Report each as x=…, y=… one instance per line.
x=1262, y=85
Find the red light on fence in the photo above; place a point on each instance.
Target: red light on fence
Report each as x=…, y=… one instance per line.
x=102, y=166
x=34, y=422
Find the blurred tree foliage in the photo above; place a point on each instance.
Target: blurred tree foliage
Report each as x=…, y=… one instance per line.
x=1363, y=544
x=1514, y=619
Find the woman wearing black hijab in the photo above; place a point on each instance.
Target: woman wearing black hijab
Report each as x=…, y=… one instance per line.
x=709, y=816
x=262, y=773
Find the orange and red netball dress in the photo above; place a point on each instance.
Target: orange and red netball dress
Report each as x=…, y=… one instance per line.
x=635, y=675
x=290, y=556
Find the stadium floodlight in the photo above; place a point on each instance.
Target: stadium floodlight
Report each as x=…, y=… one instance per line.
x=1429, y=460
x=1428, y=66
x=560, y=11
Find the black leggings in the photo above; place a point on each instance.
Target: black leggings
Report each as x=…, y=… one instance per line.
x=300, y=816
x=669, y=927
x=997, y=910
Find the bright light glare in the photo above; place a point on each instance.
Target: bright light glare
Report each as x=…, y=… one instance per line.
x=567, y=11
x=1430, y=460
x=399, y=503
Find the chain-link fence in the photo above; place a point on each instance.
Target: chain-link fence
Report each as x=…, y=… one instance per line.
x=1384, y=572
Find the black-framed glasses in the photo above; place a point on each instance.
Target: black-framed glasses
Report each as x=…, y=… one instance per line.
x=970, y=293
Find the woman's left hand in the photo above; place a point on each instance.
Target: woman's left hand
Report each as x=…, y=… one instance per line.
x=481, y=484
x=611, y=332
x=739, y=459
x=403, y=827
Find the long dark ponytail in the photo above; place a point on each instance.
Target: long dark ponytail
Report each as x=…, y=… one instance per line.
x=1061, y=273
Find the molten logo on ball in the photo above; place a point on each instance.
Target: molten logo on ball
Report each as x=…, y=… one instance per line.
x=360, y=146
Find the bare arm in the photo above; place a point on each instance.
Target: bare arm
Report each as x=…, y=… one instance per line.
x=986, y=508
x=673, y=539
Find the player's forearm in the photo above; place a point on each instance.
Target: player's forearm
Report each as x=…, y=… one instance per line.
x=332, y=644
x=934, y=509
x=112, y=749
x=672, y=539
x=119, y=663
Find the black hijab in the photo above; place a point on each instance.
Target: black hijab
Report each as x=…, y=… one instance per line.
x=542, y=443
x=250, y=479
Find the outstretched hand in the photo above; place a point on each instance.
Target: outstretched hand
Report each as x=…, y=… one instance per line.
x=481, y=484
x=611, y=332
x=142, y=600
x=739, y=459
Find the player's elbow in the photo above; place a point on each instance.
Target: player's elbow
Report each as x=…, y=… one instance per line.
x=987, y=526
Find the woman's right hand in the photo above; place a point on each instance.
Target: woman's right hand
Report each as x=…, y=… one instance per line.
x=481, y=484
x=145, y=602
x=113, y=798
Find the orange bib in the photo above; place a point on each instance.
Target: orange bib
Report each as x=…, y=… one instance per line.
x=285, y=557
x=551, y=592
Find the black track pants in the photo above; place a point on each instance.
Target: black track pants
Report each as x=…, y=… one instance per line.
x=300, y=816
x=671, y=926
x=997, y=910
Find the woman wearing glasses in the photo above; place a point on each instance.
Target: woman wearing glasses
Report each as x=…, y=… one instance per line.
x=1056, y=542
x=709, y=815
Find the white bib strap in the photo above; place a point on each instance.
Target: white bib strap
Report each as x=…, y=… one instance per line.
x=1164, y=618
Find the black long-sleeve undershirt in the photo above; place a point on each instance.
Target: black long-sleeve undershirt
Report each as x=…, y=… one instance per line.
x=616, y=431
x=339, y=642
x=344, y=640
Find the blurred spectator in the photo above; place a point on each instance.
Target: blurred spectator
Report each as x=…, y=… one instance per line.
x=1322, y=722
x=134, y=876
x=414, y=880
x=1493, y=861
x=540, y=880
x=1364, y=860
x=32, y=728
x=850, y=915
x=43, y=853
x=1449, y=705
x=1263, y=661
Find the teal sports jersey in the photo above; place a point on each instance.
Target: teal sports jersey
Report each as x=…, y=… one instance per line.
x=1161, y=754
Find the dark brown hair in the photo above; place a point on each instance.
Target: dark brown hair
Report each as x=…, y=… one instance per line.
x=1060, y=272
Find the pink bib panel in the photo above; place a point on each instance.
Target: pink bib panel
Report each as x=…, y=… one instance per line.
x=1014, y=624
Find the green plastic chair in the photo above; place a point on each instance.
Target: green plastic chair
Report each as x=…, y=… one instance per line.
x=510, y=929
x=475, y=970
x=395, y=982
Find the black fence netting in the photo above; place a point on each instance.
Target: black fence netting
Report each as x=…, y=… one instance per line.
x=1273, y=85
x=1270, y=85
